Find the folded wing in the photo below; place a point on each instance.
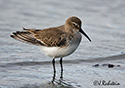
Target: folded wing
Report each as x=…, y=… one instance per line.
x=47, y=37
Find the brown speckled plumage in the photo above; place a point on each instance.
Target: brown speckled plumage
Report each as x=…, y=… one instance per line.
x=56, y=36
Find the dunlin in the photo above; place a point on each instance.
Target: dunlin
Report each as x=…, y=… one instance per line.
x=56, y=42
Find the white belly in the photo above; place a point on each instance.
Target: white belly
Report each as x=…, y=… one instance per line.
x=57, y=52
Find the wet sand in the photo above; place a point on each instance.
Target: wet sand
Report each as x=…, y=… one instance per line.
x=40, y=74
x=24, y=66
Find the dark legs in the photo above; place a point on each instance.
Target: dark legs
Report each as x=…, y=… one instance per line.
x=53, y=61
x=61, y=68
x=54, y=70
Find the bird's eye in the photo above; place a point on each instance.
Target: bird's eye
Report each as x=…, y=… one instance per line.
x=75, y=25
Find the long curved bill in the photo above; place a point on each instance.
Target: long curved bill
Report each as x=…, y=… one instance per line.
x=85, y=34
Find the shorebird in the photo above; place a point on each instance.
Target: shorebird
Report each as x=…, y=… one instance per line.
x=56, y=42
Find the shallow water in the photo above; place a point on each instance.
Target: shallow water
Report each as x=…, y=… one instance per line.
x=24, y=66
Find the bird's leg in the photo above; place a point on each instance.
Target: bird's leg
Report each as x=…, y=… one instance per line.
x=61, y=68
x=53, y=61
x=54, y=70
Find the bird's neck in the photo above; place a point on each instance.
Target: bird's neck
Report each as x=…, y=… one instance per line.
x=68, y=29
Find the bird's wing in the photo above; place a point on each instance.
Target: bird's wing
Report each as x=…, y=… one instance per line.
x=50, y=37
x=47, y=37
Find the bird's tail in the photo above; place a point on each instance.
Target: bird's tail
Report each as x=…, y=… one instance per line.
x=26, y=36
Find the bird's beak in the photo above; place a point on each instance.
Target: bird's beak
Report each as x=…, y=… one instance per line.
x=84, y=34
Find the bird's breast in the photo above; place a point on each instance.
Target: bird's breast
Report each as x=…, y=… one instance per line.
x=69, y=48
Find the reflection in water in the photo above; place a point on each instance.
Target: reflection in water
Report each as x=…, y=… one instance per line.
x=54, y=83
x=60, y=83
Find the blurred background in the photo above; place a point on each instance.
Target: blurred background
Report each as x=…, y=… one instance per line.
x=103, y=21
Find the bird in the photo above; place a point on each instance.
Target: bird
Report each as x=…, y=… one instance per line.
x=55, y=42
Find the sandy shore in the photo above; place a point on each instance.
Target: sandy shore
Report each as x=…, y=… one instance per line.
x=39, y=75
